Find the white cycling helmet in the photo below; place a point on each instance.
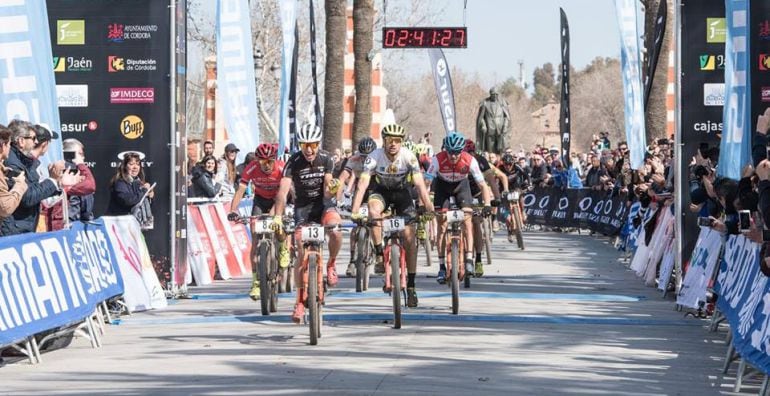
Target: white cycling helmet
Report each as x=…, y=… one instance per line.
x=309, y=133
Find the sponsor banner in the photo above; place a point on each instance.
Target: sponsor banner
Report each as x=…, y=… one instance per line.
x=564, y=117
x=28, y=91
x=288, y=25
x=63, y=64
x=759, y=39
x=667, y=266
x=293, y=145
x=219, y=244
x=72, y=95
x=744, y=299
x=79, y=127
x=199, y=258
x=713, y=94
x=702, y=265
x=235, y=74
x=735, y=147
x=631, y=65
x=119, y=64
x=142, y=287
x=712, y=62
x=657, y=43
x=595, y=210
x=132, y=95
x=235, y=246
x=764, y=95
x=702, y=32
x=442, y=80
x=241, y=233
x=120, y=32
x=53, y=279
x=196, y=222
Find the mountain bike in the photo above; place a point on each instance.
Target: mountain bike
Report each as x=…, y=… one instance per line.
x=364, y=251
x=455, y=247
x=423, y=238
x=515, y=222
x=264, y=255
x=312, y=236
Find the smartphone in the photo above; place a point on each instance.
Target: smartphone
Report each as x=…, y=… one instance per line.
x=704, y=221
x=69, y=155
x=10, y=172
x=744, y=219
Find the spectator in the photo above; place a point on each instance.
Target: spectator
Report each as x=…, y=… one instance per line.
x=9, y=199
x=128, y=186
x=80, y=197
x=539, y=171
x=203, y=184
x=226, y=173
x=192, y=155
x=26, y=141
x=560, y=176
x=604, y=140
x=595, y=174
x=208, y=148
x=250, y=157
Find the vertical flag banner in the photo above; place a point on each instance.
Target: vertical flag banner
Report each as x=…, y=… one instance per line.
x=443, y=82
x=288, y=21
x=564, y=117
x=28, y=89
x=313, y=61
x=293, y=146
x=735, y=149
x=631, y=70
x=660, y=31
x=235, y=73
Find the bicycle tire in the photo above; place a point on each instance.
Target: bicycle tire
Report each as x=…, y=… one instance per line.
x=486, y=234
x=273, y=280
x=368, y=260
x=312, y=297
x=520, y=230
x=359, y=261
x=395, y=281
x=263, y=255
x=516, y=225
x=454, y=277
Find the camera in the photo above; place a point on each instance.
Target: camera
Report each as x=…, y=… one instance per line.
x=10, y=172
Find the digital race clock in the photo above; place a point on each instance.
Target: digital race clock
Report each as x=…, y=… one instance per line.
x=424, y=37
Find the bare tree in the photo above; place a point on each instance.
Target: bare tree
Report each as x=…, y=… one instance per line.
x=363, y=20
x=597, y=103
x=335, y=73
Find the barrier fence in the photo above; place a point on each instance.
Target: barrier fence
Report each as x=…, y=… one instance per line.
x=599, y=211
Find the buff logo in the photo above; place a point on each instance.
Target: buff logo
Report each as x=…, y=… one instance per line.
x=132, y=127
x=447, y=107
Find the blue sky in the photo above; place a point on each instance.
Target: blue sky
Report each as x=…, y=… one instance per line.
x=500, y=32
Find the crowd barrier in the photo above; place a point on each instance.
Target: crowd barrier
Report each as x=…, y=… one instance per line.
x=54, y=279
x=599, y=211
x=729, y=266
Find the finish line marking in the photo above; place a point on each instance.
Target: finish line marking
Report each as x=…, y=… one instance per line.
x=426, y=294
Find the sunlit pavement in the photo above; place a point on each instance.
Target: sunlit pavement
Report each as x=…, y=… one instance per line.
x=564, y=316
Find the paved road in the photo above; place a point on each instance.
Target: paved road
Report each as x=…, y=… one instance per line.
x=563, y=317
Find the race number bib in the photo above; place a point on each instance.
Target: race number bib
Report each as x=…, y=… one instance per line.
x=364, y=211
x=313, y=234
x=455, y=216
x=263, y=226
x=393, y=224
x=513, y=196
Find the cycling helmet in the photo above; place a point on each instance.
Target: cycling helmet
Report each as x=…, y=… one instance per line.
x=454, y=142
x=409, y=145
x=470, y=146
x=508, y=159
x=309, y=133
x=366, y=145
x=393, y=130
x=265, y=151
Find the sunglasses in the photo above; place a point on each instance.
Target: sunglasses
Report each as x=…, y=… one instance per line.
x=454, y=152
x=266, y=161
x=393, y=139
x=33, y=137
x=312, y=146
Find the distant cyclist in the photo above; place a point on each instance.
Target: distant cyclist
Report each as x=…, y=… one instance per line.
x=391, y=167
x=309, y=171
x=449, y=171
x=264, y=173
x=518, y=179
x=354, y=166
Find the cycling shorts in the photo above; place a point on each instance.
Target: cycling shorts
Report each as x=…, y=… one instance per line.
x=461, y=191
x=399, y=200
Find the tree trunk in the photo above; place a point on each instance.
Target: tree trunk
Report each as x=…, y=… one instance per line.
x=335, y=70
x=657, y=114
x=363, y=22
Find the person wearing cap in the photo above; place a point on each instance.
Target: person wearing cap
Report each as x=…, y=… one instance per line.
x=23, y=157
x=227, y=175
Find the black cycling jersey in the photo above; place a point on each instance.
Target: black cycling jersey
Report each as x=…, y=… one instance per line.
x=483, y=166
x=308, y=178
x=518, y=178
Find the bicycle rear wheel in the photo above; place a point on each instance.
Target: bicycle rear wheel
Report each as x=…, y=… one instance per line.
x=395, y=281
x=517, y=227
x=312, y=298
x=454, y=278
x=486, y=235
x=263, y=266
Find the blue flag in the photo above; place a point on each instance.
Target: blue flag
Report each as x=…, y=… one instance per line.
x=235, y=74
x=735, y=148
x=28, y=89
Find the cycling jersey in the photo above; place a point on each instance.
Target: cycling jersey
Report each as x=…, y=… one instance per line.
x=308, y=178
x=484, y=166
x=265, y=185
x=393, y=174
x=518, y=178
x=443, y=169
x=355, y=164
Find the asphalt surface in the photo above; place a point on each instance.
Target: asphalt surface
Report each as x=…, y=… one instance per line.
x=563, y=317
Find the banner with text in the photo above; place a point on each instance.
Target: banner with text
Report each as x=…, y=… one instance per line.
x=564, y=117
x=702, y=264
x=598, y=211
x=443, y=82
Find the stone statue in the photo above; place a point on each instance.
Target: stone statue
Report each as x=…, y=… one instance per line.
x=492, y=123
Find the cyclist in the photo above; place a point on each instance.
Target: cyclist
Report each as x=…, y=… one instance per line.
x=309, y=171
x=392, y=166
x=491, y=176
x=353, y=168
x=518, y=179
x=265, y=175
x=449, y=171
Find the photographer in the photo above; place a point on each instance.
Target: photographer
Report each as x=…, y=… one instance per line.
x=9, y=199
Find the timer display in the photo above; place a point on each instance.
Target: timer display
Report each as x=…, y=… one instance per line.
x=424, y=37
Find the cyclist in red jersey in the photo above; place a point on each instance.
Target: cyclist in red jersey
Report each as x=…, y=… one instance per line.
x=265, y=174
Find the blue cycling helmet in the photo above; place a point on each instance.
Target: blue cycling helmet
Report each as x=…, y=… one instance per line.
x=454, y=142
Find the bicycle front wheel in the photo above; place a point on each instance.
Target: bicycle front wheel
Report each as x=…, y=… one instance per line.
x=312, y=299
x=486, y=235
x=395, y=281
x=454, y=277
x=360, y=262
x=263, y=266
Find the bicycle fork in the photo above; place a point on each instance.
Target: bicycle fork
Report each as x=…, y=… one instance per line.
x=401, y=265
x=302, y=294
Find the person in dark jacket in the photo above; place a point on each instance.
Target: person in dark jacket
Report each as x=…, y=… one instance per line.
x=80, y=197
x=595, y=174
x=539, y=173
x=25, y=138
x=128, y=186
x=203, y=184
